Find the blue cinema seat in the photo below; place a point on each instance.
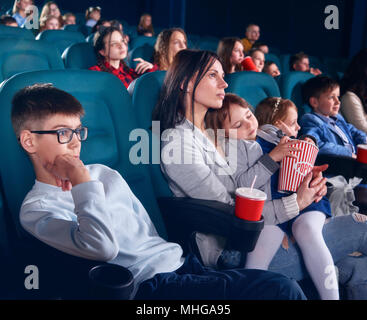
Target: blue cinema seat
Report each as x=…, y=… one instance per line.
x=208, y=43
x=284, y=61
x=15, y=33
x=71, y=27
x=252, y=86
x=141, y=40
x=290, y=85
x=145, y=52
x=85, y=30
x=145, y=96
x=19, y=55
x=90, y=38
x=79, y=56
x=62, y=39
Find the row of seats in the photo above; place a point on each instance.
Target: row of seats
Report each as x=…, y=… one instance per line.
x=76, y=33
x=36, y=55
x=111, y=116
x=252, y=86
x=332, y=66
x=142, y=46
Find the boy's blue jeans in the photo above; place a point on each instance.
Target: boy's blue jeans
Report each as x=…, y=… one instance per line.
x=194, y=282
x=343, y=236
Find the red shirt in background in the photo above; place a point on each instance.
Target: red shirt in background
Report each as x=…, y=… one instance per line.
x=124, y=73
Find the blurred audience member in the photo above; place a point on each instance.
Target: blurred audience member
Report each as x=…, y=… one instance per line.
x=262, y=46
x=145, y=27
x=19, y=11
x=51, y=9
x=169, y=42
x=8, y=20
x=258, y=57
x=111, y=50
x=251, y=36
x=50, y=23
x=230, y=53
x=301, y=62
x=92, y=16
x=101, y=23
x=271, y=68
x=69, y=18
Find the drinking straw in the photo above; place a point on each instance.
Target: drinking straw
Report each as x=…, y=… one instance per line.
x=253, y=183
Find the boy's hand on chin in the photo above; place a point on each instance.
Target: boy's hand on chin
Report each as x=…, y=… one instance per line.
x=68, y=171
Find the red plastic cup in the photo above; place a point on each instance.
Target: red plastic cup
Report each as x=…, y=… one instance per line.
x=293, y=171
x=249, y=203
x=362, y=153
x=248, y=64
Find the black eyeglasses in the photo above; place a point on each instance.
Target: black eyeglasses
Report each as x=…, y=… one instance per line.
x=65, y=135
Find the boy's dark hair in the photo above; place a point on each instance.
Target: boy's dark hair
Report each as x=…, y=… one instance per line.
x=6, y=19
x=316, y=86
x=34, y=104
x=295, y=58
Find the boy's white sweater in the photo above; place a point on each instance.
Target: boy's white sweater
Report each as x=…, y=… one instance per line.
x=100, y=220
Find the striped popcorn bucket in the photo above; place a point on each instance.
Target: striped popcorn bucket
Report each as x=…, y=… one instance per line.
x=293, y=171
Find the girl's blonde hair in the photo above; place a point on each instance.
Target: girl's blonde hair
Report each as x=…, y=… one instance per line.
x=271, y=110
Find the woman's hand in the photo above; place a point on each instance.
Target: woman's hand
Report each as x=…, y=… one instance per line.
x=311, y=189
x=142, y=66
x=283, y=149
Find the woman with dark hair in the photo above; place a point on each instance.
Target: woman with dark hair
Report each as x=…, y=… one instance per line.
x=169, y=42
x=230, y=53
x=145, y=27
x=194, y=84
x=354, y=91
x=111, y=50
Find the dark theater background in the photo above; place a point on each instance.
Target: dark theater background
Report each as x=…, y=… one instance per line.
x=288, y=25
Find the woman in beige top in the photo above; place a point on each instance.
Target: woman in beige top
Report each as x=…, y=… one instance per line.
x=354, y=91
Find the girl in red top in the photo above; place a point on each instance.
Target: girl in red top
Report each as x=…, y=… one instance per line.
x=231, y=55
x=111, y=48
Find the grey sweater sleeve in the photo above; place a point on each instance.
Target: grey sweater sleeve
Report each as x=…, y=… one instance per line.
x=188, y=174
x=89, y=237
x=250, y=162
x=280, y=210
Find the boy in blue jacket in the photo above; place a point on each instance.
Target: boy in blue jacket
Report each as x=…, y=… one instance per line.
x=334, y=135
